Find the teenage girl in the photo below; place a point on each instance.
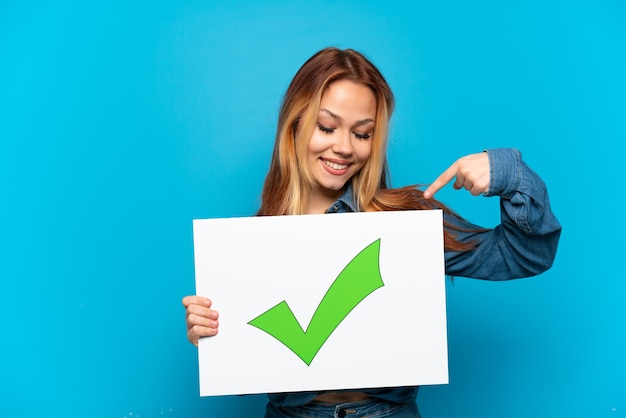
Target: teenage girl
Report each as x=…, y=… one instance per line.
x=330, y=157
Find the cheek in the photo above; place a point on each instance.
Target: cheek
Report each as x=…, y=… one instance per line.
x=316, y=145
x=363, y=150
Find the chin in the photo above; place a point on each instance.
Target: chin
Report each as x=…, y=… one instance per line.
x=335, y=186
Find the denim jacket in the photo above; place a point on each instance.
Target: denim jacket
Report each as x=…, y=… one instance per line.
x=523, y=245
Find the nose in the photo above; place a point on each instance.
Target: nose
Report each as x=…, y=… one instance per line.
x=343, y=143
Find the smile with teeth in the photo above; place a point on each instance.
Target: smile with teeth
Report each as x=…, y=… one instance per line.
x=335, y=166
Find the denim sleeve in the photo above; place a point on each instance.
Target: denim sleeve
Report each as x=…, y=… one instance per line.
x=525, y=242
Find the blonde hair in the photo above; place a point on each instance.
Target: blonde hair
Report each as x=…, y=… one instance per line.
x=289, y=180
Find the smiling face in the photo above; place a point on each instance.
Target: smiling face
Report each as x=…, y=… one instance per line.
x=342, y=141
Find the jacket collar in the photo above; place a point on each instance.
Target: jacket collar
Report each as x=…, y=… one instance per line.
x=346, y=202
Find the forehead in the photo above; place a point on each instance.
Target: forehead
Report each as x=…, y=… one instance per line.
x=349, y=100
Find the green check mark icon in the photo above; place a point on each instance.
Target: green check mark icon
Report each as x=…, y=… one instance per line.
x=356, y=281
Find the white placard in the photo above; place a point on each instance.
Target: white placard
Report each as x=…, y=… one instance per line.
x=395, y=335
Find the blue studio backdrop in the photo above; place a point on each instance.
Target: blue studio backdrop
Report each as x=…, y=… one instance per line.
x=120, y=122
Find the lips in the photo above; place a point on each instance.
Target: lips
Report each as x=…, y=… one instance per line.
x=334, y=167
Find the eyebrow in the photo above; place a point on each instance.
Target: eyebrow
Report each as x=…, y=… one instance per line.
x=340, y=119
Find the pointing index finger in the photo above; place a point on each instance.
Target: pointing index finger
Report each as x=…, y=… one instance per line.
x=441, y=181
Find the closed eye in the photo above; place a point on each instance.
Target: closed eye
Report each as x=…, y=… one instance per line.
x=325, y=129
x=363, y=136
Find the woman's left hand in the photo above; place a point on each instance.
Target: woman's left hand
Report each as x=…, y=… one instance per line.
x=472, y=172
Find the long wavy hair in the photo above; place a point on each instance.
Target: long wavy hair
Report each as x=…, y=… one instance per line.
x=289, y=181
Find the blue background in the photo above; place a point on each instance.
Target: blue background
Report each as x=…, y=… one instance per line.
x=120, y=122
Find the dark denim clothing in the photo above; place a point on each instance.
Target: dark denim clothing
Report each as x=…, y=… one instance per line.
x=524, y=244
x=369, y=408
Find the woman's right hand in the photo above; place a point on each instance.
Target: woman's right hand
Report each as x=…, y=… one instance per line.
x=201, y=319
